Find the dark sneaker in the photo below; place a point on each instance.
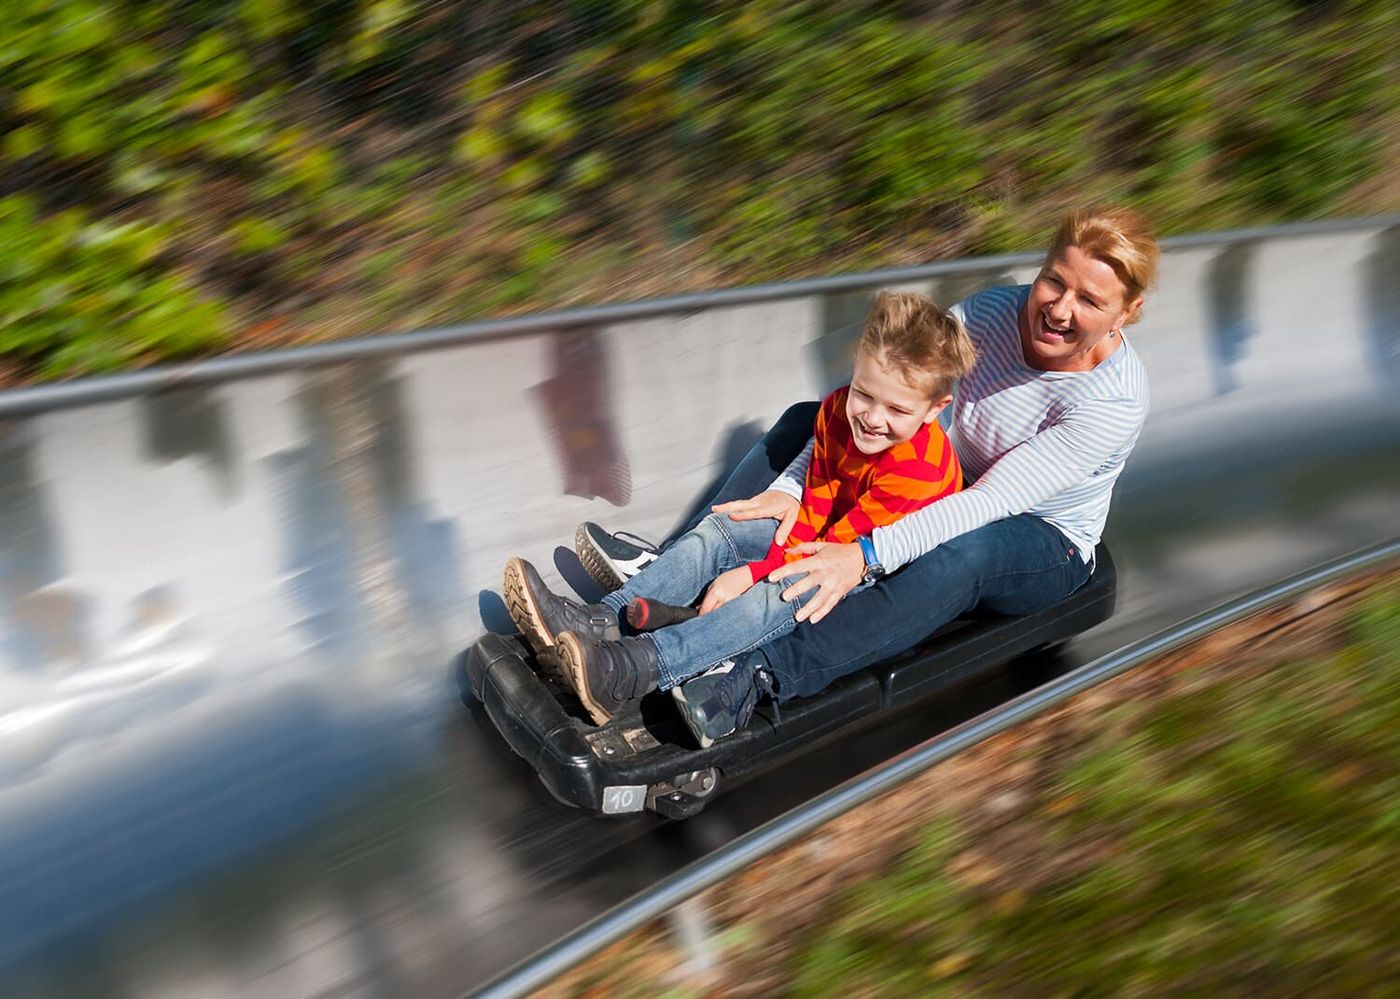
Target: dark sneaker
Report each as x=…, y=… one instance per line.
x=542, y=616
x=606, y=675
x=721, y=700
x=646, y=614
x=612, y=559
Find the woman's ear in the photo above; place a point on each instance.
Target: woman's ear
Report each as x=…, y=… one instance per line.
x=937, y=408
x=1130, y=314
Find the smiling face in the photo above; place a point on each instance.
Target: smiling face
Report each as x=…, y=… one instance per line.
x=1075, y=313
x=883, y=408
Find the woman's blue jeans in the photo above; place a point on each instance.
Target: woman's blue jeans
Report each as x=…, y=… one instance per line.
x=681, y=573
x=1019, y=565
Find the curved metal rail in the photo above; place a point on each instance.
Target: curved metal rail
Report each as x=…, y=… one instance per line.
x=733, y=857
x=230, y=751
x=44, y=398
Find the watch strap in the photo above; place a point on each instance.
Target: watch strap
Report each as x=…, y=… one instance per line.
x=873, y=569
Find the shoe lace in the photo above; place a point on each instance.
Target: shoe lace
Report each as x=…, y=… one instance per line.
x=763, y=680
x=636, y=539
x=763, y=683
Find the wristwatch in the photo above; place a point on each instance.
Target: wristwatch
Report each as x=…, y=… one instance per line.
x=873, y=569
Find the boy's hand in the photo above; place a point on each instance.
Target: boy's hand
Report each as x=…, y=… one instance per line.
x=770, y=503
x=727, y=586
x=833, y=569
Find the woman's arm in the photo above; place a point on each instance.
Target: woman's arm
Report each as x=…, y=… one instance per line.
x=1024, y=477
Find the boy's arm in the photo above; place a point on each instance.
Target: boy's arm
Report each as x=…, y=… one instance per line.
x=774, y=558
x=802, y=530
x=725, y=587
x=794, y=477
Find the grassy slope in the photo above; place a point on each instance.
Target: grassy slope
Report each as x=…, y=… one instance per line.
x=1223, y=821
x=1238, y=836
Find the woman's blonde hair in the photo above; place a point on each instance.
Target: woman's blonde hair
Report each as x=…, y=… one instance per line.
x=1120, y=237
x=923, y=342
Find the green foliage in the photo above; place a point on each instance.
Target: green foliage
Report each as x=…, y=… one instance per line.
x=78, y=296
x=1242, y=840
x=764, y=138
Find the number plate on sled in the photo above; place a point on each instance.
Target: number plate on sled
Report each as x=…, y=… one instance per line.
x=623, y=798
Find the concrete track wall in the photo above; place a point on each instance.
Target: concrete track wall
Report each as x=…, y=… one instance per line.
x=289, y=561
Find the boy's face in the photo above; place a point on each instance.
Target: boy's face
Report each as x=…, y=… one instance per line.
x=883, y=409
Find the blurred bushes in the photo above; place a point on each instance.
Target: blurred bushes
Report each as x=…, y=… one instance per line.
x=1232, y=835
x=83, y=295
x=329, y=168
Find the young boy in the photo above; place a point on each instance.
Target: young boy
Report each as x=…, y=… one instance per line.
x=878, y=454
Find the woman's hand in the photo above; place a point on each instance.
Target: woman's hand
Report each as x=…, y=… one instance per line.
x=770, y=503
x=834, y=570
x=725, y=587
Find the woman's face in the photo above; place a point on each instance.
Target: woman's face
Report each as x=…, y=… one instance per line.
x=1075, y=313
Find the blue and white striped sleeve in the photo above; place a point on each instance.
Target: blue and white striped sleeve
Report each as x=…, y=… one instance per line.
x=1060, y=456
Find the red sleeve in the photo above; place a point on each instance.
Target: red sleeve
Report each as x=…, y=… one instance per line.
x=771, y=561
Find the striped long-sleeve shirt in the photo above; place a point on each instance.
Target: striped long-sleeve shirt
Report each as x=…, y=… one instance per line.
x=848, y=494
x=1050, y=443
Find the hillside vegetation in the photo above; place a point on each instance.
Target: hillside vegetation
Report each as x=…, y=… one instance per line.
x=184, y=178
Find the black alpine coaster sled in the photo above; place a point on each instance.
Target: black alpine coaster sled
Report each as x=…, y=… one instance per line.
x=646, y=759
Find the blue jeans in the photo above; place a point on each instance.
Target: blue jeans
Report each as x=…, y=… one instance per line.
x=681, y=573
x=1019, y=565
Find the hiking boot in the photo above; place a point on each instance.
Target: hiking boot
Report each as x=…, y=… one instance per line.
x=542, y=616
x=721, y=700
x=612, y=559
x=606, y=675
x=646, y=614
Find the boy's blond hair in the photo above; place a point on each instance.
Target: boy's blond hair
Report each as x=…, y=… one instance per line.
x=924, y=343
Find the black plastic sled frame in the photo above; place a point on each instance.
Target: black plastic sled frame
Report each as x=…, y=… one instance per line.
x=646, y=759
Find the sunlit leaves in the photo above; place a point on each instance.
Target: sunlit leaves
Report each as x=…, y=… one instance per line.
x=79, y=296
x=765, y=138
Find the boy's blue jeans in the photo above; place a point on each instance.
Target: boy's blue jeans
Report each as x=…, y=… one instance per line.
x=1019, y=565
x=681, y=573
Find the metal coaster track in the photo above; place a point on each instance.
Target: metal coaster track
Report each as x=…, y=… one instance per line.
x=735, y=856
x=231, y=755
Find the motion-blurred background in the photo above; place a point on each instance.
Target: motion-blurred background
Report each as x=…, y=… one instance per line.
x=231, y=757
x=185, y=177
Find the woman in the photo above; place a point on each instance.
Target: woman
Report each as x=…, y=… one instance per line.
x=1043, y=425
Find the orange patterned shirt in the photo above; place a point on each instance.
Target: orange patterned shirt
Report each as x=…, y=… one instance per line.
x=848, y=493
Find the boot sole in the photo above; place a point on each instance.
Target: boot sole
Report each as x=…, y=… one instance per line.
x=526, y=615
x=704, y=740
x=571, y=659
x=595, y=563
